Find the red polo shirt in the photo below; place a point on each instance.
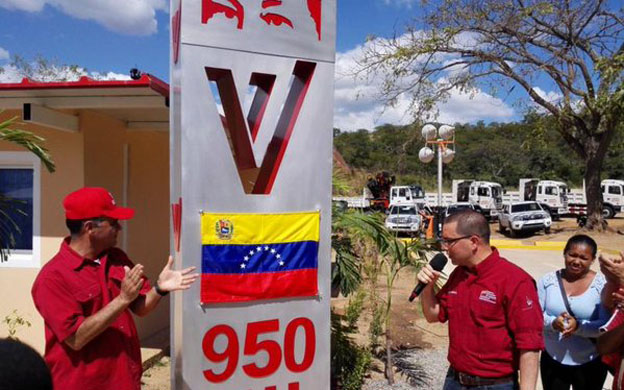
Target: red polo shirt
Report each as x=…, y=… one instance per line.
x=69, y=289
x=493, y=312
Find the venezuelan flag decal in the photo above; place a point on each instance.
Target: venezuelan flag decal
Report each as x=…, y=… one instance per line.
x=247, y=257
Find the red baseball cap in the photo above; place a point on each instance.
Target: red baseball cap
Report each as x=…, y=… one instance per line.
x=93, y=202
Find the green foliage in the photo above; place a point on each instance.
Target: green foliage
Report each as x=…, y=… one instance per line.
x=501, y=152
x=349, y=362
x=355, y=307
x=376, y=326
x=14, y=322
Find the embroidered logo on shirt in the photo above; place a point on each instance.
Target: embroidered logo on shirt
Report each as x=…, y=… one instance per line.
x=529, y=304
x=487, y=296
x=452, y=292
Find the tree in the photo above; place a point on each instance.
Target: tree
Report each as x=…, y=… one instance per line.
x=574, y=46
x=42, y=69
x=33, y=144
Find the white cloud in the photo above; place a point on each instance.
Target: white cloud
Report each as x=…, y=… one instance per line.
x=357, y=104
x=4, y=54
x=550, y=96
x=132, y=17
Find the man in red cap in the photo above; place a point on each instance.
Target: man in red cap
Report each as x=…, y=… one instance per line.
x=85, y=295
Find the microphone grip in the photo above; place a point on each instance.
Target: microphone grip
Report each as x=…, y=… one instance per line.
x=417, y=290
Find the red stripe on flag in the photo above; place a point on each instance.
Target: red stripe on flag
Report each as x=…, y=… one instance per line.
x=220, y=288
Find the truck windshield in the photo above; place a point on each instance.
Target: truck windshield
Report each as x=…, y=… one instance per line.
x=403, y=210
x=563, y=191
x=519, y=208
x=417, y=192
x=496, y=192
x=550, y=191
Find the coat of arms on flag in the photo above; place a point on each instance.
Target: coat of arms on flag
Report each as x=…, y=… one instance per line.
x=247, y=257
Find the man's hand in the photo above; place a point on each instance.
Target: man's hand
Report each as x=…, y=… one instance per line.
x=131, y=283
x=618, y=298
x=171, y=280
x=613, y=268
x=428, y=275
x=428, y=301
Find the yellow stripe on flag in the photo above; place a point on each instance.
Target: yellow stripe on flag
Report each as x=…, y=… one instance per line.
x=245, y=229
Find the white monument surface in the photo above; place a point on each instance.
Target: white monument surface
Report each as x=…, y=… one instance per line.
x=251, y=133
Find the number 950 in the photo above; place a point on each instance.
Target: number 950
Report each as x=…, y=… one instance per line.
x=253, y=346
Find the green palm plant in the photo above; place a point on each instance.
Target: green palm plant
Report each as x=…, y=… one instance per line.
x=390, y=255
x=34, y=144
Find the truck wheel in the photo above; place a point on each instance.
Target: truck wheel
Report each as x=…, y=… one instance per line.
x=608, y=212
x=501, y=228
x=547, y=230
x=512, y=233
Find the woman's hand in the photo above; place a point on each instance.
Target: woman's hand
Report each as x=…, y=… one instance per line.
x=565, y=324
x=572, y=326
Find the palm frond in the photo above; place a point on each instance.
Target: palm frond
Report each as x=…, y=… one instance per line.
x=34, y=144
x=28, y=140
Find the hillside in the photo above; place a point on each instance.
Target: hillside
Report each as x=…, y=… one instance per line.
x=501, y=152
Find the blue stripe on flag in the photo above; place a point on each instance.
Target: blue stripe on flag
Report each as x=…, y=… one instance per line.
x=244, y=259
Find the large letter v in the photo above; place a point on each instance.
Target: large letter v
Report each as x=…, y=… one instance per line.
x=242, y=133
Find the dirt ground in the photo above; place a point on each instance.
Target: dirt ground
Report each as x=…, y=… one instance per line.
x=408, y=327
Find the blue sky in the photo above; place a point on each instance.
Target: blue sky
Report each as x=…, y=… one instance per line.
x=116, y=35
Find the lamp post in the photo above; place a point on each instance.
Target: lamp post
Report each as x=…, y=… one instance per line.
x=441, y=139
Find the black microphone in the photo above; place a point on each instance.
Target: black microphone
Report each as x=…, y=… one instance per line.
x=437, y=263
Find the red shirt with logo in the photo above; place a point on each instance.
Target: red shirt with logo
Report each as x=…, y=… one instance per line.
x=493, y=312
x=69, y=289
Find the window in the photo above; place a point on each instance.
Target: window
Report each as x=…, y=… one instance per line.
x=550, y=190
x=483, y=191
x=615, y=190
x=19, y=182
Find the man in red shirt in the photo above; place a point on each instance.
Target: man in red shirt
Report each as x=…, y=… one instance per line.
x=495, y=321
x=85, y=295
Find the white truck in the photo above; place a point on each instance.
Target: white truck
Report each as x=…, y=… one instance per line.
x=488, y=195
x=399, y=196
x=552, y=195
x=612, y=199
x=407, y=195
x=356, y=202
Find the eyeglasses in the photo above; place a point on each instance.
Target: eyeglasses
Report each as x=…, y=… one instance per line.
x=449, y=242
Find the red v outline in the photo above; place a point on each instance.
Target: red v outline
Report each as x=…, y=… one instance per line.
x=241, y=133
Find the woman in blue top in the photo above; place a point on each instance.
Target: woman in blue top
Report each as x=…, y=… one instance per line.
x=570, y=357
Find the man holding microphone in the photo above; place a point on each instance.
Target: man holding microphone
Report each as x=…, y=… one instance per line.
x=492, y=307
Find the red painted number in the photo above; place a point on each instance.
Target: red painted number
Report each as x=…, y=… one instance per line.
x=252, y=347
x=230, y=353
x=289, y=344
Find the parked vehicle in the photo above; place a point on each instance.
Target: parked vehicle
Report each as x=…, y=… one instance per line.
x=457, y=207
x=523, y=216
x=404, y=219
x=612, y=199
x=553, y=194
x=407, y=195
x=488, y=195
